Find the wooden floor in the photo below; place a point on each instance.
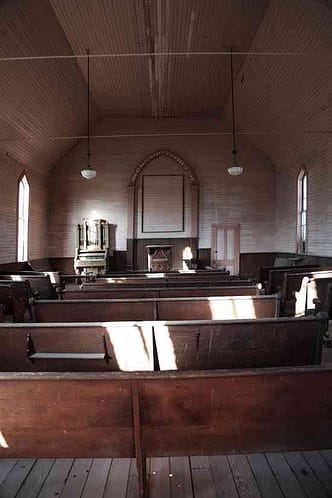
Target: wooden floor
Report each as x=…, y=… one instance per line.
x=270, y=475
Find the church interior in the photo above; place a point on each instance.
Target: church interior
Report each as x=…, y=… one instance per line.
x=165, y=248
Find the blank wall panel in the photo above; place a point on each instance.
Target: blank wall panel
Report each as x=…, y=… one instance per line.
x=163, y=203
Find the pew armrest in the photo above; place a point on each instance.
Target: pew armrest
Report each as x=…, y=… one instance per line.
x=33, y=355
x=67, y=356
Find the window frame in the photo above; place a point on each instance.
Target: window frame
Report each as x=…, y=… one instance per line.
x=302, y=212
x=22, y=219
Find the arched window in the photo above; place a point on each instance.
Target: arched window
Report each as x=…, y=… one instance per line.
x=23, y=218
x=302, y=206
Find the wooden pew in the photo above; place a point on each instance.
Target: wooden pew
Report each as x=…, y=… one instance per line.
x=276, y=276
x=32, y=347
x=55, y=276
x=97, y=310
x=22, y=290
x=157, y=283
x=263, y=273
x=294, y=291
x=76, y=278
x=325, y=303
x=13, y=304
x=111, y=414
x=181, y=345
x=317, y=290
x=40, y=284
x=197, y=345
x=142, y=293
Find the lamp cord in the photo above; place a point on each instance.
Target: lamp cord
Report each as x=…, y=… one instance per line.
x=88, y=153
x=234, y=151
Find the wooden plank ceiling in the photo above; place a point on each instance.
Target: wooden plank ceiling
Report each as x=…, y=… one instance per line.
x=47, y=98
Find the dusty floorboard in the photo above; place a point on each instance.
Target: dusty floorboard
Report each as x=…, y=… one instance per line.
x=306, y=474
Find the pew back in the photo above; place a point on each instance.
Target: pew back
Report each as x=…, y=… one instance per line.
x=276, y=276
x=40, y=284
x=217, y=308
x=230, y=412
x=76, y=347
x=240, y=344
x=162, y=309
x=142, y=293
x=263, y=273
x=180, y=345
x=294, y=293
x=325, y=304
x=13, y=304
x=65, y=415
x=92, y=310
x=201, y=413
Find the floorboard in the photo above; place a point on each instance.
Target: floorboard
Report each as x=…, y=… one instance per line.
x=306, y=477
x=266, y=481
x=160, y=486
x=305, y=474
x=77, y=477
x=243, y=477
x=97, y=477
x=327, y=455
x=203, y=483
x=117, y=482
x=132, y=488
x=6, y=464
x=181, y=483
x=34, y=481
x=286, y=478
x=222, y=477
x=321, y=469
x=16, y=477
x=56, y=479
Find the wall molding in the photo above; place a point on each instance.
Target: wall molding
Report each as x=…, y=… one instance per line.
x=132, y=193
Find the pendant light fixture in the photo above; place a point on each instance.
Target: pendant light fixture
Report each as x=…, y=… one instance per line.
x=88, y=173
x=235, y=169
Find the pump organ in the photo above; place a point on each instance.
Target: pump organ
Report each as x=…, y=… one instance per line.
x=92, y=251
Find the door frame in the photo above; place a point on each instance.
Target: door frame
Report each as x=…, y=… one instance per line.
x=224, y=226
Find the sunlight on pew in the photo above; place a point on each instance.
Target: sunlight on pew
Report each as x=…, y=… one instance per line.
x=312, y=293
x=132, y=346
x=231, y=309
x=166, y=353
x=301, y=298
x=3, y=442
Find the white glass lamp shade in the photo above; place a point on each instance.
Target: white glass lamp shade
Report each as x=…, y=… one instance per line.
x=88, y=173
x=235, y=170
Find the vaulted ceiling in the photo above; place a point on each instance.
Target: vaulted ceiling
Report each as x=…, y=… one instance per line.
x=283, y=74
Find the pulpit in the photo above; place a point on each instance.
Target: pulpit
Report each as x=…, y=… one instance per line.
x=159, y=258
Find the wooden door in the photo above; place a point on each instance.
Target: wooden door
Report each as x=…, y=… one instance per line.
x=225, y=247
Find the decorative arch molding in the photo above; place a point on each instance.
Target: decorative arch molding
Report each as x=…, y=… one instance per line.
x=171, y=155
x=132, y=197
